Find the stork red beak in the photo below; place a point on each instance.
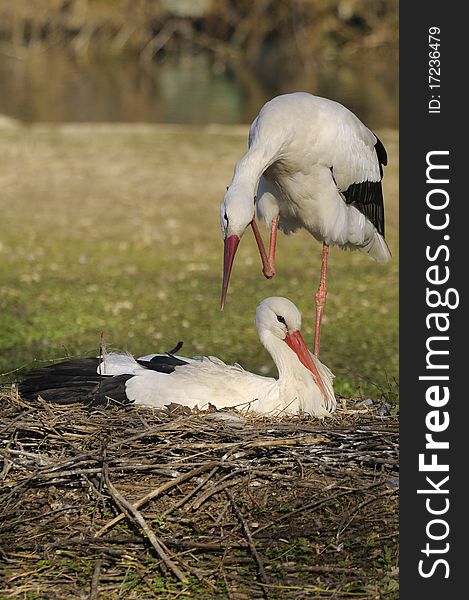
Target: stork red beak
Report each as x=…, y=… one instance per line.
x=296, y=342
x=231, y=245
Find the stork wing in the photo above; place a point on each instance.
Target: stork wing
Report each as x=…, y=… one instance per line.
x=359, y=177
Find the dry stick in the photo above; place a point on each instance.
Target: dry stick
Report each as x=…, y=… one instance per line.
x=286, y=442
x=48, y=410
x=321, y=569
x=279, y=476
x=211, y=492
x=192, y=493
x=95, y=580
x=207, y=546
x=197, y=502
x=136, y=516
x=91, y=542
x=18, y=418
x=250, y=540
x=6, y=462
x=320, y=591
x=230, y=597
x=158, y=491
x=221, y=515
x=60, y=475
x=189, y=568
x=266, y=443
x=153, y=430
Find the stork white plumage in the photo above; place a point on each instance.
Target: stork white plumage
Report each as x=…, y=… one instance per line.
x=304, y=384
x=312, y=164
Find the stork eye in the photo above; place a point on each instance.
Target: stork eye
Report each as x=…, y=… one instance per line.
x=225, y=216
x=280, y=319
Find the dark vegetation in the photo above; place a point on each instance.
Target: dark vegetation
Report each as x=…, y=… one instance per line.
x=268, y=46
x=236, y=31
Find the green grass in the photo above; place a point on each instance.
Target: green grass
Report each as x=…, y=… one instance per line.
x=115, y=229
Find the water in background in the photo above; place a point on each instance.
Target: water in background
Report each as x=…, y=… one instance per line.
x=51, y=86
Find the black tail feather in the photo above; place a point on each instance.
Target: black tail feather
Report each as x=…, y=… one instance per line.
x=176, y=348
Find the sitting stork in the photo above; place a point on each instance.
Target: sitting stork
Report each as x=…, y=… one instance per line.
x=304, y=384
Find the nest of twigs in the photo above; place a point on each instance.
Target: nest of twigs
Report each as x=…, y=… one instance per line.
x=134, y=503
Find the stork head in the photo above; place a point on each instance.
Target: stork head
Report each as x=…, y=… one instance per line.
x=236, y=213
x=279, y=317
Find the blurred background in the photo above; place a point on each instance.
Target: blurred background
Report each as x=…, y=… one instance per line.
x=194, y=61
x=120, y=124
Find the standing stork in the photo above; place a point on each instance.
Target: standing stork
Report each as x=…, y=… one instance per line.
x=311, y=163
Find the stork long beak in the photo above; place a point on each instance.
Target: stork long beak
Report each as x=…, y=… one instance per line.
x=296, y=342
x=231, y=245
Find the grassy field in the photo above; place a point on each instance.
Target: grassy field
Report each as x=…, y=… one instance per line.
x=114, y=229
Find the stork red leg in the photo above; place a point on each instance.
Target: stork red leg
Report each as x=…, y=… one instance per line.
x=273, y=244
x=268, y=262
x=321, y=296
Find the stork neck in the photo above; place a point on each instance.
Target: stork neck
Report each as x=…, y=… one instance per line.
x=288, y=365
x=249, y=169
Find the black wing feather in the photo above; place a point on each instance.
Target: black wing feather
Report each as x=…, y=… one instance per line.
x=381, y=153
x=367, y=196
x=74, y=381
x=163, y=363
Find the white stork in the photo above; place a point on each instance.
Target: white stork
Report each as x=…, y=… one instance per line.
x=311, y=163
x=304, y=384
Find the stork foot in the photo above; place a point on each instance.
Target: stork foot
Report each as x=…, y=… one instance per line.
x=269, y=270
